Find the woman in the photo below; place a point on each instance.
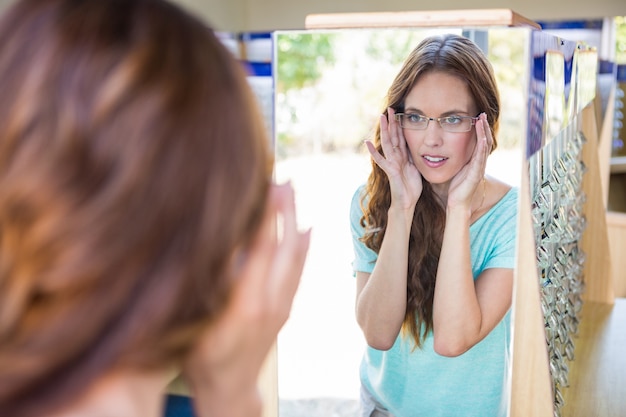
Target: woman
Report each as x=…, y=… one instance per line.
x=434, y=242
x=126, y=255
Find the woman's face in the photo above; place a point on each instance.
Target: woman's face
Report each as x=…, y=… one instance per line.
x=437, y=154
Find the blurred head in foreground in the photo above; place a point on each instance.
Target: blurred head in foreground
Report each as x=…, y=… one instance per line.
x=134, y=171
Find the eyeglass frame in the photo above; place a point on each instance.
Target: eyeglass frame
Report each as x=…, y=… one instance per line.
x=398, y=117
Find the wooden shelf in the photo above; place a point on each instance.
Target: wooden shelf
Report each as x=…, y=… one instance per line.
x=598, y=372
x=616, y=226
x=434, y=18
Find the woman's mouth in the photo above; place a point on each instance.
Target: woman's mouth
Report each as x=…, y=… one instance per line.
x=434, y=161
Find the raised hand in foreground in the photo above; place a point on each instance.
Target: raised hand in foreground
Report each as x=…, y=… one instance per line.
x=223, y=368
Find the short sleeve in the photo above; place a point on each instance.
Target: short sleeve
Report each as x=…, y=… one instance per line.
x=364, y=257
x=503, y=255
x=494, y=239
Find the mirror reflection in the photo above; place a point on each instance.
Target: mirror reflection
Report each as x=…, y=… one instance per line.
x=331, y=88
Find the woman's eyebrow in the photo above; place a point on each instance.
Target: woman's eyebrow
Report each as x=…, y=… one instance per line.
x=444, y=114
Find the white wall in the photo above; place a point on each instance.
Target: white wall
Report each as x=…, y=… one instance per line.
x=227, y=15
x=221, y=14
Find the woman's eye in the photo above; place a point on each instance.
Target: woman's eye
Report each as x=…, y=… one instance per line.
x=453, y=120
x=414, y=118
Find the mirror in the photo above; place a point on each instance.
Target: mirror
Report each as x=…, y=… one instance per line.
x=329, y=91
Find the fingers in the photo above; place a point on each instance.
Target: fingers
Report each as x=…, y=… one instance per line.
x=238, y=340
x=376, y=156
x=386, y=141
x=469, y=177
x=292, y=247
x=392, y=131
x=275, y=260
x=484, y=132
x=251, y=276
x=481, y=152
x=392, y=128
x=392, y=143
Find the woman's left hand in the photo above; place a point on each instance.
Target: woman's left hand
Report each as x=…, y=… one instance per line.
x=465, y=182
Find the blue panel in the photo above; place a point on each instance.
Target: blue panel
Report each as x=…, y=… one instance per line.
x=621, y=73
x=259, y=69
x=605, y=66
x=178, y=406
x=572, y=24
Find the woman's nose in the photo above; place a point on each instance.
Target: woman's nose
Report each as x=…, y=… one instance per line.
x=433, y=134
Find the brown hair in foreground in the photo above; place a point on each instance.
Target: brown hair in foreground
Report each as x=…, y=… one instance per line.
x=133, y=168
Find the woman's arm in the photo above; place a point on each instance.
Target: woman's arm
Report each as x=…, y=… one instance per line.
x=464, y=311
x=381, y=295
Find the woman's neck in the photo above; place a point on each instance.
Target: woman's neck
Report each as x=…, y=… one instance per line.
x=441, y=191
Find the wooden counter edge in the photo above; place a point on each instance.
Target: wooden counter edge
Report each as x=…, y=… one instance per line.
x=435, y=18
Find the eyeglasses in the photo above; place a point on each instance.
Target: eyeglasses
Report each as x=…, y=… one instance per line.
x=452, y=124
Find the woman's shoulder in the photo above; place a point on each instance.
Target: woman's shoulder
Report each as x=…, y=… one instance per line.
x=360, y=191
x=501, y=204
x=503, y=196
x=359, y=198
x=500, y=197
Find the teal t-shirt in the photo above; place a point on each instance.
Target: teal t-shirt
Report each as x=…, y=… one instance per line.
x=416, y=383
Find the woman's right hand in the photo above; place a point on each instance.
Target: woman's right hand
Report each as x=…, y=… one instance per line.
x=381, y=294
x=405, y=181
x=224, y=365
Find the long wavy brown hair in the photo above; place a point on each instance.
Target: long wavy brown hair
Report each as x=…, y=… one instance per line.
x=458, y=56
x=134, y=165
